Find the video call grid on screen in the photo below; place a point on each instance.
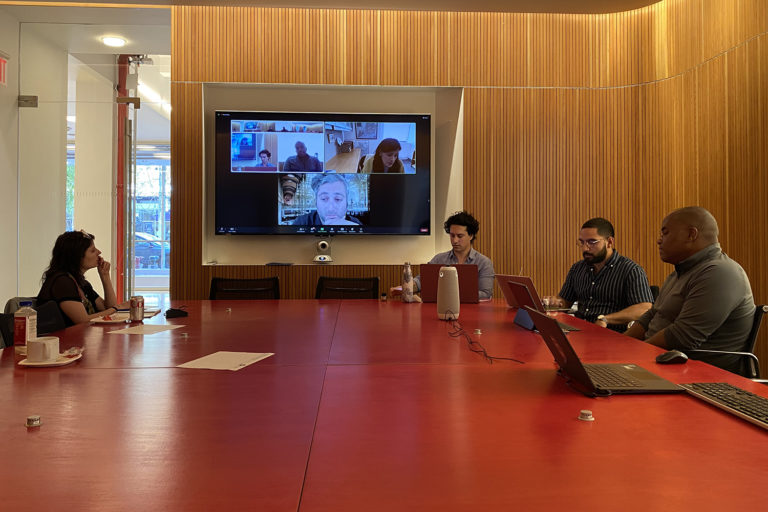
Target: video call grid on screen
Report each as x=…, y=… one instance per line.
x=374, y=192
x=342, y=147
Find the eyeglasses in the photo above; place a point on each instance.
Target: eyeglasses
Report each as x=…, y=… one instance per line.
x=591, y=242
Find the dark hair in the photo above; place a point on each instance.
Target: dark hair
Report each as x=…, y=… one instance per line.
x=463, y=218
x=604, y=227
x=266, y=152
x=325, y=178
x=68, y=252
x=386, y=146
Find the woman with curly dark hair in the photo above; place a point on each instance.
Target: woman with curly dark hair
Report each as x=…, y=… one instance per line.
x=64, y=281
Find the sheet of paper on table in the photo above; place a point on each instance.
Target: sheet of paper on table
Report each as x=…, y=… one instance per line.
x=224, y=360
x=145, y=329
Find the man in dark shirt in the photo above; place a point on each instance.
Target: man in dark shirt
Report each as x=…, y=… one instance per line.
x=611, y=289
x=706, y=303
x=302, y=162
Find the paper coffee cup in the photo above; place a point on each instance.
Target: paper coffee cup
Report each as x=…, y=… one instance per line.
x=43, y=350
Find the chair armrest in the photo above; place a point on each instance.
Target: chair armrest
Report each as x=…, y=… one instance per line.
x=755, y=371
x=725, y=352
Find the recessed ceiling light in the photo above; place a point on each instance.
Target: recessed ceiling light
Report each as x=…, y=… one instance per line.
x=115, y=42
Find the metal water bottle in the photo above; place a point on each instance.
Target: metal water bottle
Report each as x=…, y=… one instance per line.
x=407, y=283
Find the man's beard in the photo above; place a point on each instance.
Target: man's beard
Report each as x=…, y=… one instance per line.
x=596, y=258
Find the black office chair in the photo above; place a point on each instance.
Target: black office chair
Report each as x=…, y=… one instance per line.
x=750, y=365
x=654, y=292
x=49, y=318
x=347, y=288
x=6, y=330
x=244, y=289
x=14, y=303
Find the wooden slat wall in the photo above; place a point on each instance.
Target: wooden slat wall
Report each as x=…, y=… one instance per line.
x=624, y=115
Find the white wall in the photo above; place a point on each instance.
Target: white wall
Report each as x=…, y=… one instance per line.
x=444, y=104
x=94, y=157
x=9, y=122
x=42, y=155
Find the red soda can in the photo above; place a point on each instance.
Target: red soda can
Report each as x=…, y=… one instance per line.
x=137, y=308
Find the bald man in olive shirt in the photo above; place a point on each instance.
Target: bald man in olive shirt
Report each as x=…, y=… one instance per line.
x=706, y=303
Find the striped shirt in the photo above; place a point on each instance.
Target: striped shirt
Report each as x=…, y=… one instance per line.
x=619, y=284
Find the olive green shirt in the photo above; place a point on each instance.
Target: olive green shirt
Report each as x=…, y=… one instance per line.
x=705, y=303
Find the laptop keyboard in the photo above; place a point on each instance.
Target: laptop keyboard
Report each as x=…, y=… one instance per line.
x=740, y=402
x=607, y=377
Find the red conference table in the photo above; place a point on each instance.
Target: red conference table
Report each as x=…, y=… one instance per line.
x=365, y=406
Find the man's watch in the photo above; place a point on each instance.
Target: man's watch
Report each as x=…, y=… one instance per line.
x=602, y=318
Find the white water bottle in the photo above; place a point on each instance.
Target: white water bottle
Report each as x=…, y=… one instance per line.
x=407, y=283
x=24, y=327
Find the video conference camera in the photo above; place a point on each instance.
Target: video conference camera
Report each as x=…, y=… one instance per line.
x=323, y=251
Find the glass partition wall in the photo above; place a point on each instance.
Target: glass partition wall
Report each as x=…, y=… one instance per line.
x=94, y=153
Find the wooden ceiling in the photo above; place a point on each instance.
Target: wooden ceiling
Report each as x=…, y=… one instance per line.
x=550, y=6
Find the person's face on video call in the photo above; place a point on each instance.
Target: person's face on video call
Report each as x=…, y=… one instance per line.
x=264, y=159
x=389, y=158
x=331, y=202
x=460, y=239
x=301, y=149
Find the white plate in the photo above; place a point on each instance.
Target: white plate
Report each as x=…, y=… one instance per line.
x=117, y=318
x=61, y=361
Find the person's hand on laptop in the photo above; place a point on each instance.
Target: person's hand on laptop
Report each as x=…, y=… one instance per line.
x=553, y=302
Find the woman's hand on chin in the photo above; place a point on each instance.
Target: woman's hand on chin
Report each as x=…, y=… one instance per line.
x=103, y=267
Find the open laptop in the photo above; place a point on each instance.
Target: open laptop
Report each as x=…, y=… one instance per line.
x=468, y=285
x=524, y=296
x=504, y=280
x=597, y=379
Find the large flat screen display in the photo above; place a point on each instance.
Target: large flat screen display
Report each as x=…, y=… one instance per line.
x=310, y=173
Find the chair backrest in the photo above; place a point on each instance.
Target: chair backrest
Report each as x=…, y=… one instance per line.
x=244, y=289
x=6, y=330
x=49, y=318
x=654, y=292
x=14, y=304
x=347, y=288
x=749, y=345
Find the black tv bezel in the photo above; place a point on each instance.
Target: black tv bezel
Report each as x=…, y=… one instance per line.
x=222, y=163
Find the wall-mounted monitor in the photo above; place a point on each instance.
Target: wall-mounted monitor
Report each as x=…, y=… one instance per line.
x=313, y=173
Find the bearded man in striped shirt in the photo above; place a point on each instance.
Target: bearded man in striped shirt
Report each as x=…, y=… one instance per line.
x=611, y=289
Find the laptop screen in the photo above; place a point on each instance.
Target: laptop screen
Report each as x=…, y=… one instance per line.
x=524, y=297
x=468, y=282
x=570, y=364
